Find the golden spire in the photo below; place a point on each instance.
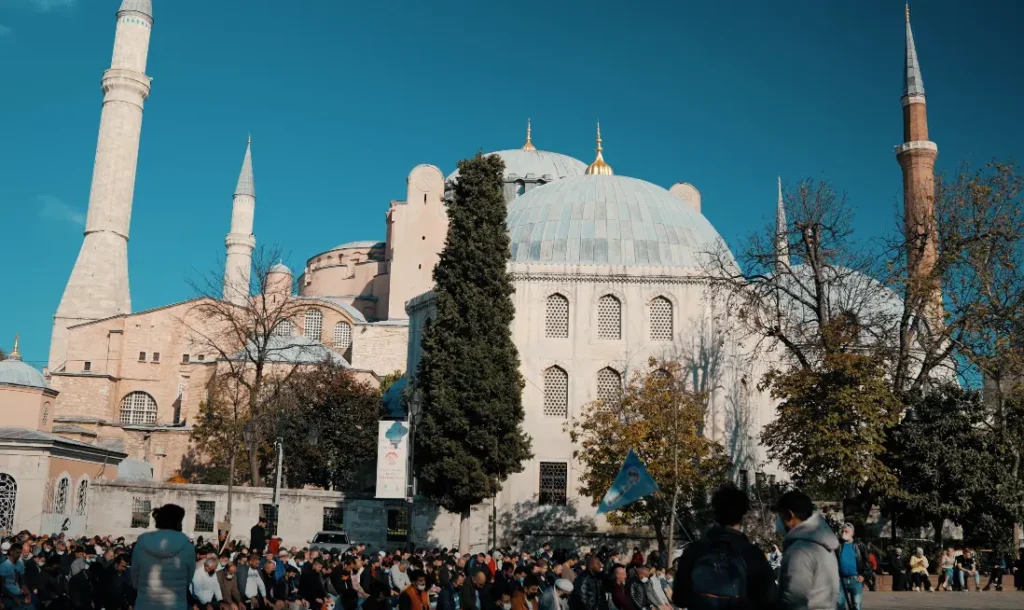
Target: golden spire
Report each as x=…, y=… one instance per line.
x=529, y=144
x=907, y=10
x=599, y=167
x=14, y=355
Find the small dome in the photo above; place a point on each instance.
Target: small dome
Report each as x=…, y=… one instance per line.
x=280, y=268
x=522, y=162
x=372, y=244
x=15, y=372
x=614, y=220
x=139, y=6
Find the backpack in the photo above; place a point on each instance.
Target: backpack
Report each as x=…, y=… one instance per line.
x=719, y=578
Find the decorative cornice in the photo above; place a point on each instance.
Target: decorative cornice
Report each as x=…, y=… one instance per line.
x=596, y=278
x=917, y=145
x=906, y=100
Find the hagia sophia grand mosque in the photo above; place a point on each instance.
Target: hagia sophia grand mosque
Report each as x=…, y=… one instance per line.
x=606, y=268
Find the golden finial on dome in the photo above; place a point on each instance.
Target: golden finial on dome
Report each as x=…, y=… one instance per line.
x=14, y=355
x=529, y=145
x=599, y=167
x=907, y=9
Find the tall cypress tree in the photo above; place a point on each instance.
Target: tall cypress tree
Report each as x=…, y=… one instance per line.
x=470, y=438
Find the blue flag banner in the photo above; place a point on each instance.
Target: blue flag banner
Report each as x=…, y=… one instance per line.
x=632, y=483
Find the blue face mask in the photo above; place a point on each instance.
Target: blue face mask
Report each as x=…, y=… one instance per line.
x=780, y=527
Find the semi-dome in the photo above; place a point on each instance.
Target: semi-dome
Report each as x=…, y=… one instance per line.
x=280, y=268
x=615, y=220
x=521, y=163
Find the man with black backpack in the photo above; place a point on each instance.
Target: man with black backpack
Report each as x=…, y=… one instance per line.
x=724, y=570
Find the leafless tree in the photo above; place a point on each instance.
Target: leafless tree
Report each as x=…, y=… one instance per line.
x=253, y=342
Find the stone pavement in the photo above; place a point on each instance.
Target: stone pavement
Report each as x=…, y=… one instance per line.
x=947, y=600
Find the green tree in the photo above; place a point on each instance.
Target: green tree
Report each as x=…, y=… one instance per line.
x=469, y=438
x=662, y=422
x=831, y=425
x=341, y=413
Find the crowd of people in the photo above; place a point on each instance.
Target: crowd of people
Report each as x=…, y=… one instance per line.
x=165, y=570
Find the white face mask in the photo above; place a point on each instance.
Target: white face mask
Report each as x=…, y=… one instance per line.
x=644, y=579
x=847, y=536
x=507, y=606
x=421, y=587
x=229, y=576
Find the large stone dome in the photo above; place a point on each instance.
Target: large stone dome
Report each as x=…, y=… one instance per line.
x=616, y=220
x=521, y=163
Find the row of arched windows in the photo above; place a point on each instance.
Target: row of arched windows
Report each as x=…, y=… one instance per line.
x=59, y=499
x=556, y=389
x=313, y=328
x=609, y=318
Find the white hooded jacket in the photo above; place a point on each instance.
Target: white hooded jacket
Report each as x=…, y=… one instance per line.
x=163, y=564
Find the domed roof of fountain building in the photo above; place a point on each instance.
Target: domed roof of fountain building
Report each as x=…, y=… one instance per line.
x=607, y=219
x=15, y=372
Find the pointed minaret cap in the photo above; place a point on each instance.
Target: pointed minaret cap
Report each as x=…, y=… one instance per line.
x=599, y=167
x=246, y=185
x=15, y=354
x=913, y=85
x=529, y=145
x=781, y=232
x=137, y=6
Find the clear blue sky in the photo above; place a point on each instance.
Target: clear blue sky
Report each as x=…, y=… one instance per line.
x=344, y=98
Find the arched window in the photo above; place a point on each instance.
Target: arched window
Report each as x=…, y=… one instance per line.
x=520, y=187
x=609, y=318
x=556, y=392
x=342, y=335
x=82, y=497
x=46, y=413
x=609, y=387
x=314, y=325
x=62, y=496
x=8, y=501
x=661, y=374
x=138, y=409
x=556, y=321
x=661, y=319
x=284, y=328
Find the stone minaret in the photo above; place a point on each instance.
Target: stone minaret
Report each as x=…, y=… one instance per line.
x=917, y=158
x=98, y=287
x=781, y=234
x=240, y=241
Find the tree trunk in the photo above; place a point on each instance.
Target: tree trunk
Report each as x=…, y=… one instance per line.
x=254, y=467
x=937, y=525
x=231, y=479
x=672, y=525
x=464, y=532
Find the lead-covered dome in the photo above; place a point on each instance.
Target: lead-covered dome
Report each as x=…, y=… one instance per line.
x=15, y=372
x=615, y=220
x=521, y=163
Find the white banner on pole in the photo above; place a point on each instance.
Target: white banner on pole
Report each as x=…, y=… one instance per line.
x=392, y=459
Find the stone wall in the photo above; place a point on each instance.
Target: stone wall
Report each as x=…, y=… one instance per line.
x=380, y=347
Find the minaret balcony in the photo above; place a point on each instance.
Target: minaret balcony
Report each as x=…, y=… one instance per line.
x=917, y=145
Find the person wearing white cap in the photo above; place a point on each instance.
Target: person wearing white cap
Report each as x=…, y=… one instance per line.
x=557, y=597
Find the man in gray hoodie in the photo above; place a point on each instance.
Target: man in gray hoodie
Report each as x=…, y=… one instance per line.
x=810, y=572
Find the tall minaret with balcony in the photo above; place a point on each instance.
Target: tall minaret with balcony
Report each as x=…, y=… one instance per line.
x=240, y=241
x=917, y=158
x=98, y=286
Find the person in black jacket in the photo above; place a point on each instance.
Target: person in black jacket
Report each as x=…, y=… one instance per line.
x=115, y=590
x=589, y=588
x=477, y=593
x=311, y=585
x=258, y=536
x=450, y=597
x=286, y=591
x=724, y=543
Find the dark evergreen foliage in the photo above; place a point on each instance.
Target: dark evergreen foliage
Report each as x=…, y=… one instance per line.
x=469, y=438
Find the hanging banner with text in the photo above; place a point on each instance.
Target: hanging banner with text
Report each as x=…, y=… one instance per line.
x=392, y=459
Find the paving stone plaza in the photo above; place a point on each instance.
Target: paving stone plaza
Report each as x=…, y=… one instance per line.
x=952, y=600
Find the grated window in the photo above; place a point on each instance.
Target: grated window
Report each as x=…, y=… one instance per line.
x=82, y=500
x=661, y=319
x=343, y=335
x=556, y=392
x=270, y=513
x=554, y=480
x=609, y=387
x=205, y=510
x=141, y=509
x=609, y=318
x=556, y=323
x=62, y=497
x=138, y=409
x=314, y=325
x=334, y=518
x=284, y=328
